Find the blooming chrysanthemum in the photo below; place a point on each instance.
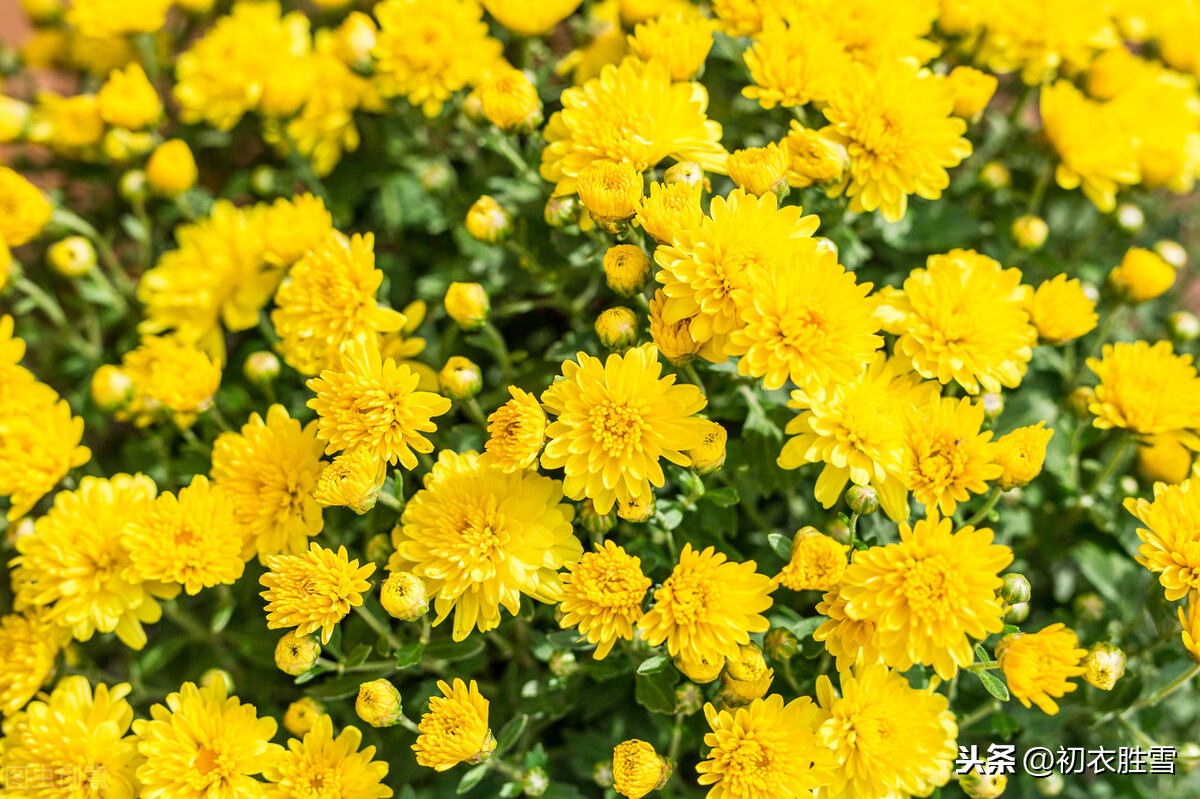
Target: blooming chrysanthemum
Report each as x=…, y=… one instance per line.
x=1094, y=151
x=1190, y=621
x=817, y=562
x=1021, y=453
x=171, y=378
x=929, y=594
x=708, y=606
x=680, y=41
x=24, y=210
x=302, y=714
x=767, y=750
x=530, y=20
x=669, y=209
x=1061, y=311
x=1040, y=39
x=633, y=113
x=888, y=738
x=100, y=19
x=427, y=50
x=191, y=539
x=872, y=31
x=516, y=432
x=373, y=402
x=812, y=158
x=480, y=537
x=602, y=596
x=76, y=565
x=455, y=728
x=638, y=769
x=38, y=447
x=29, y=647
x=900, y=135
x=313, y=591
x=128, y=99
x=1142, y=275
x=707, y=274
x=616, y=419
x=1170, y=539
x=203, y=743
x=1146, y=389
x=849, y=640
x=808, y=321
x=353, y=480
x=293, y=227
x=947, y=456
x=268, y=472
x=1160, y=112
x=611, y=191
x=758, y=170
x=963, y=318
x=1038, y=666
x=791, y=64
x=323, y=765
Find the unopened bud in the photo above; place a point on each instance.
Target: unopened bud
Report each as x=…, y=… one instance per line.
x=982, y=786
x=1030, y=232
x=132, y=186
x=1104, y=665
x=1172, y=252
x=378, y=703
x=1080, y=401
x=212, y=676
x=301, y=715
x=460, y=378
x=73, y=256
x=488, y=222
x=261, y=368
x=563, y=663
x=637, y=509
x=1184, y=326
x=596, y=523
x=688, y=172
x=993, y=405
x=535, y=781
x=700, y=670
x=1017, y=613
x=296, y=654
x=436, y=177
x=602, y=774
x=264, y=180
x=617, y=328
x=995, y=175
x=780, y=644
x=863, y=500
x=688, y=698
x=626, y=269
x=560, y=212
x=1016, y=589
x=112, y=388
x=638, y=769
x=746, y=676
x=709, y=455
x=1130, y=218
x=403, y=596
x=468, y=305
x=1050, y=785
x=1089, y=607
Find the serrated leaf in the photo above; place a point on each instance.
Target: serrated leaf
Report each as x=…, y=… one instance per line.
x=409, y=656
x=781, y=544
x=993, y=685
x=536, y=758
x=510, y=732
x=725, y=497
x=472, y=778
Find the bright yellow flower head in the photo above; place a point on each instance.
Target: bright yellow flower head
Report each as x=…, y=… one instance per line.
x=602, y=596
x=313, y=591
x=480, y=537
x=812, y=158
x=39, y=445
x=353, y=480
x=1038, y=666
x=632, y=113
x=379, y=703
x=171, y=169
x=516, y=432
x=849, y=640
x=29, y=647
x=897, y=127
x=973, y=90
x=1146, y=389
x=335, y=764
x=100, y=19
x=674, y=341
x=896, y=31
x=638, y=769
x=1092, y=148
x=708, y=606
x=615, y=420
x=70, y=125
x=1061, y=311
x=767, y=750
x=817, y=562
x=963, y=318
x=1143, y=275
x=510, y=102
x=374, y=403
x=1041, y=39
x=611, y=191
x=793, y=64
x=1191, y=626
x=296, y=654
x=1164, y=459
x=194, y=731
x=171, y=378
x=1160, y=112
x=1170, y=539
x=1021, y=454
x=455, y=728
x=669, y=209
x=403, y=596
x=946, y=457
x=530, y=19
x=302, y=715
x=626, y=267
x=128, y=100
x=680, y=41
x=294, y=227
x=24, y=210
x=888, y=738
x=758, y=170
x=929, y=594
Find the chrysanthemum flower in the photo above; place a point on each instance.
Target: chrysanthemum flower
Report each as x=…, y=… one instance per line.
x=29, y=647
x=296, y=654
x=674, y=341
x=510, y=102
x=707, y=274
x=849, y=640
x=191, y=539
x=516, y=432
x=808, y=321
x=203, y=743
x=638, y=769
x=268, y=472
x=681, y=41
x=76, y=564
x=480, y=537
x=1021, y=454
x=455, y=728
x=1142, y=275
x=793, y=63
x=371, y=402
x=1159, y=111
x=1041, y=39
x=1170, y=539
x=767, y=750
x=1038, y=666
x=24, y=210
x=1146, y=389
x=897, y=127
x=973, y=90
x=353, y=480
x=128, y=99
x=888, y=738
x=812, y=158
x=946, y=456
x=321, y=764
x=313, y=591
x=610, y=190
x=817, y=562
x=1092, y=148
x=615, y=420
x=1164, y=458
x=171, y=169
x=294, y=227
x=758, y=170
x=897, y=30
x=602, y=596
x=1061, y=311
x=329, y=300
x=302, y=714
x=1190, y=622
x=632, y=113
x=963, y=318
x=746, y=676
x=77, y=735
x=103, y=19
x=708, y=606
x=39, y=446
x=170, y=378
x=669, y=209
x=929, y=594
x=524, y=19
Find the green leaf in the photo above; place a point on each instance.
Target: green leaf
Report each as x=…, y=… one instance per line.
x=510, y=732
x=669, y=518
x=357, y=656
x=447, y=649
x=981, y=654
x=510, y=790
x=654, y=665
x=656, y=691
x=993, y=684
x=407, y=792
x=723, y=497
x=342, y=687
x=409, y=656
x=472, y=778
x=781, y=544
x=536, y=758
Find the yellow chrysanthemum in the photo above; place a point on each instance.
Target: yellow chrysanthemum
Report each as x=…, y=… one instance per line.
x=100, y=19
x=669, y=209
x=29, y=647
x=817, y=562
x=455, y=728
x=708, y=606
x=302, y=715
x=615, y=420
x=758, y=170
x=292, y=228
x=480, y=537
x=24, y=210
x=602, y=596
x=516, y=432
x=328, y=300
x=1190, y=621
x=374, y=403
x=888, y=738
x=1142, y=275
x=171, y=169
x=963, y=318
x=812, y=158
x=1040, y=39
x=76, y=564
x=973, y=90
x=1146, y=389
x=190, y=539
x=203, y=743
x=1061, y=311
x=611, y=191
x=128, y=99
x=1164, y=458
x=1021, y=454
x=313, y=591
x=1160, y=112
x=530, y=20
x=1092, y=148
x=900, y=135
x=946, y=457
x=353, y=480
x=171, y=378
x=1038, y=666
x=268, y=471
x=510, y=102
x=633, y=113
x=767, y=750
x=39, y=445
x=929, y=594
x=680, y=41
x=793, y=64
x=323, y=765
x=849, y=640
x=1170, y=539
x=637, y=769
x=896, y=29
x=708, y=273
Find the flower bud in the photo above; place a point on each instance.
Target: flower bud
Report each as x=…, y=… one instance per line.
x=535, y=781
x=596, y=523
x=759, y=170
x=701, y=670
x=1050, y=785
x=1104, y=665
x=171, y=169
x=296, y=654
x=1030, y=232
x=379, y=548
x=42, y=12
x=1163, y=459
x=378, y=703
x=112, y=388
x=561, y=212
x=611, y=192
x=709, y=455
x=1130, y=218
x=688, y=698
x=863, y=500
x=1021, y=455
x=993, y=405
x=132, y=186
x=973, y=90
x=836, y=529
x=264, y=180
x=403, y=596
x=1088, y=607
x=638, y=769
x=21, y=529
x=1142, y=276
x=995, y=175
x=746, y=677
x=460, y=378
x=562, y=663
x=617, y=328
x=353, y=480
x=602, y=774
x=689, y=172
x=120, y=145
x=1172, y=252
x=674, y=341
x=437, y=176
x=1016, y=589
x=488, y=222
x=211, y=676
x=468, y=304
x=1184, y=326
x=261, y=367
x=473, y=107
x=301, y=715
x=982, y=786
x=638, y=509
x=354, y=40
x=626, y=269
x=511, y=103
x=1017, y=613
x=780, y=644
x=1080, y=401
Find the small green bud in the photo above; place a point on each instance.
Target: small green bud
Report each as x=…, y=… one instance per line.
x=1016, y=589
x=780, y=643
x=863, y=500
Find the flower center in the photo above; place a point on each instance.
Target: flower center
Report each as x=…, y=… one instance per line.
x=617, y=428
x=931, y=588
x=942, y=465
x=210, y=768
x=881, y=135
x=747, y=767
x=802, y=331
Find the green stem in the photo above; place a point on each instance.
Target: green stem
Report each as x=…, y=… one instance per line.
x=303, y=167
x=43, y=300
x=1110, y=467
x=108, y=257
x=692, y=375
x=676, y=739
x=982, y=513
x=1162, y=693
x=987, y=665
x=500, y=350
x=475, y=412
x=507, y=769
x=503, y=146
x=378, y=625
x=978, y=715
x=1039, y=190
x=1098, y=344
x=853, y=529
x=389, y=500
x=219, y=419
